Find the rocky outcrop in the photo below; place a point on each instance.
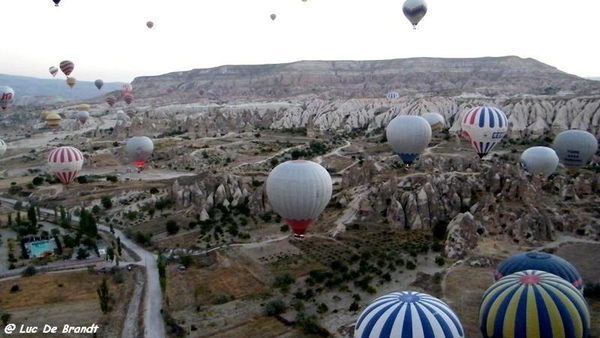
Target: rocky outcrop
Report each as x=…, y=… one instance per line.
x=463, y=232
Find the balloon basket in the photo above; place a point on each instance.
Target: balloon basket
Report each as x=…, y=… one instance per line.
x=298, y=237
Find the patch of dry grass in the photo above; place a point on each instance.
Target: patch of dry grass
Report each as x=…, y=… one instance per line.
x=264, y=327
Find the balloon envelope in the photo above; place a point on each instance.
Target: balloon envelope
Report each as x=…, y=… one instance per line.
x=65, y=163
x=111, y=100
x=273, y=16
x=83, y=116
x=539, y=161
x=67, y=67
x=127, y=88
x=2, y=147
x=99, y=83
x=392, y=95
x=53, y=70
x=484, y=127
x=7, y=95
x=414, y=11
x=540, y=261
x=150, y=24
x=533, y=303
x=575, y=148
x=408, y=314
x=139, y=148
x=409, y=136
x=436, y=121
x=71, y=81
x=299, y=191
x=56, y=2
x=128, y=98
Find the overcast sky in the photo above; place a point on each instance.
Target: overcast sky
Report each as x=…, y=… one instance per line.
x=108, y=39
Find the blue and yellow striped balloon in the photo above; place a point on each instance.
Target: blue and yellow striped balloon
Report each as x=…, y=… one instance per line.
x=533, y=304
x=408, y=314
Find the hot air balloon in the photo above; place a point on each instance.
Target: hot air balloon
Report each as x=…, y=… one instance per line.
x=7, y=95
x=539, y=160
x=150, y=24
x=99, y=83
x=436, y=121
x=2, y=147
x=56, y=2
x=84, y=107
x=53, y=70
x=128, y=98
x=409, y=136
x=392, y=95
x=408, y=314
x=111, y=100
x=65, y=163
x=139, y=148
x=540, y=261
x=53, y=120
x=67, y=67
x=83, y=116
x=414, y=11
x=130, y=113
x=575, y=148
x=484, y=127
x=127, y=88
x=273, y=16
x=299, y=191
x=533, y=303
x=71, y=81
x=121, y=116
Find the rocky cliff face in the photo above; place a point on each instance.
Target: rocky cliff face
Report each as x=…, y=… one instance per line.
x=509, y=75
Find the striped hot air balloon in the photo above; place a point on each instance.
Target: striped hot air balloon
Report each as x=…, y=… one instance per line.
x=533, y=304
x=111, y=101
x=127, y=88
x=484, y=127
x=53, y=71
x=299, y=191
x=67, y=67
x=65, y=163
x=128, y=98
x=53, y=120
x=392, y=95
x=408, y=135
x=540, y=261
x=408, y=314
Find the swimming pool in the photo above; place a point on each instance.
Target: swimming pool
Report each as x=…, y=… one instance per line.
x=41, y=248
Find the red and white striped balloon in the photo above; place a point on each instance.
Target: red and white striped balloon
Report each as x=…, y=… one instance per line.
x=67, y=67
x=65, y=163
x=110, y=100
x=128, y=98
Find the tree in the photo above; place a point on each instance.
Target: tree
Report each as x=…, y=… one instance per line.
x=186, y=260
x=38, y=180
x=112, y=230
x=9, y=219
x=32, y=216
x=82, y=254
x=106, y=202
x=161, y=263
x=275, y=307
x=29, y=271
x=104, y=296
x=5, y=318
x=18, y=218
x=119, y=246
x=172, y=227
x=110, y=253
x=95, y=210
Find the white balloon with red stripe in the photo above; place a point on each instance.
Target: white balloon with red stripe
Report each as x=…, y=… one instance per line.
x=299, y=191
x=7, y=96
x=65, y=163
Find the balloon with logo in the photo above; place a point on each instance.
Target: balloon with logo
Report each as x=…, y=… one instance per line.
x=408, y=136
x=71, y=82
x=484, y=127
x=539, y=161
x=67, y=67
x=408, y=314
x=575, y=148
x=65, y=163
x=2, y=147
x=299, y=191
x=414, y=11
x=139, y=148
x=53, y=70
x=99, y=83
x=436, y=121
x=533, y=303
x=7, y=95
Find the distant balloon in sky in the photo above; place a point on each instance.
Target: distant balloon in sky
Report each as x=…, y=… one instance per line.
x=128, y=98
x=575, y=148
x=139, y=148
x=110, y=100
x=7, y=95
x=2, y=147
x=65, y=163
x=56, y=2
x=83, y=116
x=53, y=70
x=484, y=127
x=539, y=161
x=99, y=83
x=67, y=67
x=436, y=121
x=299, y=191
x=273, y=16
x=392, y=95
x=71, y=81
x=414, y=11
x=408, y=135
x=150, y=24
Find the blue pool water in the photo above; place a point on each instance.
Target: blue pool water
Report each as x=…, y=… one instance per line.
x=38, y=248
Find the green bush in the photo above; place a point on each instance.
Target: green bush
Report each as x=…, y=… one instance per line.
x=275, y=307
